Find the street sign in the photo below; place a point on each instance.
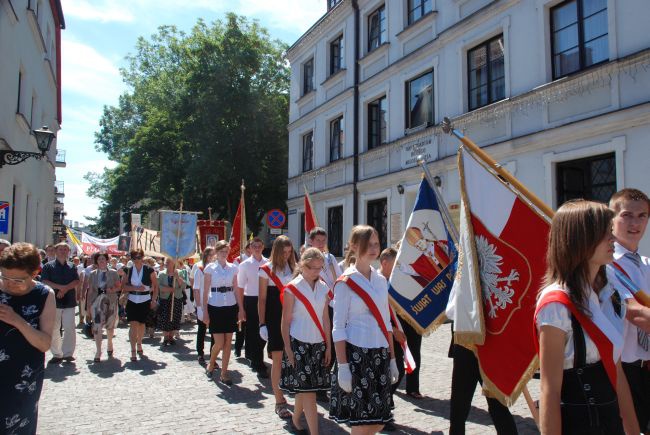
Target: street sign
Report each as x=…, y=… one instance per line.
x=4, y=217
x=275, y=230
x=275, y=218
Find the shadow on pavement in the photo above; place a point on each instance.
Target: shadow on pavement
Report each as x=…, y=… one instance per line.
x=237, y=394
x=146, y=366
x=60, y=372
x=106, y=368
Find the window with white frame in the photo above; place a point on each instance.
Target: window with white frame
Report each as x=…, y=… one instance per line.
x=417, y=9
x=591, y=178
x=376, y=122
x=419, y=100
x=579, y=35
x=377, y=28
x=308, y=76
x=335, y=230
x=377, y=217
x=336, y=139
x=486, y=73
x=308, y=152
x=336, y=55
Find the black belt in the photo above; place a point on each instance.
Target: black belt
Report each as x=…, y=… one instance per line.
x=644, y=364
x=140, y=293
x=221, y=289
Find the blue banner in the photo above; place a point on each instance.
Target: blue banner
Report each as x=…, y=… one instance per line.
x=424, y=269
x=178, y=235
x=4, y=217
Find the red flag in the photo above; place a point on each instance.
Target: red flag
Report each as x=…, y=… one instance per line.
x=503, y=242
x=238, y=233
x=311, y=221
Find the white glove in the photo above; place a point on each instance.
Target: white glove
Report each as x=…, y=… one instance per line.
x=264, y=333
x=394, y=373
x=345, y=378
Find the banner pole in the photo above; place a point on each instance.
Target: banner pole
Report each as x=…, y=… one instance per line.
x=178, y=240
x=541, y=205
x=441, y=202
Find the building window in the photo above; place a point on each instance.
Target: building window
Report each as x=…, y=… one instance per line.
x=378, y=219
x=376, y=123
x=308, y=76
x=308, y=152
x=336, y=139
x=486, y=73
x=419, y=100
x=335, y=230
x=579, y=35
x=20, y=89
x=336, y=55
x=418, y=9
x=332, y=3
x=377, y=28
x=302, y=228
x=591, y=178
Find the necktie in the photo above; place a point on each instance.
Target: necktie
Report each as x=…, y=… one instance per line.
x=641, y=336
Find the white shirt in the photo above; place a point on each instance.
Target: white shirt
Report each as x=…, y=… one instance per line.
x=353, y=321
x=302, y=326
x=640, y=276
x=221, y=276
x=248, y=275
x=557, y=315
x=239, y=260
x=136, y=280
x=285, y=275
x=197, y=276
x=326, y=273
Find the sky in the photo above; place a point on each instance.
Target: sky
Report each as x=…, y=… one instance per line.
x=97, y=37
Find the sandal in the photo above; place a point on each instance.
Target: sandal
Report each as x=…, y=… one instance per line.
x=282, y=411
x=225, y=381
x=416, y=395
x=110, y=353
x=140, y=351
x=295, y=429
x=209, y=370
x=133, y=357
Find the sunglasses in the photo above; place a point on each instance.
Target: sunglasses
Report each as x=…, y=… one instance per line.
x=137, y=257
x=18, y=281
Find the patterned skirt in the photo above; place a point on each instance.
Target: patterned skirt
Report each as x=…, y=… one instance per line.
x=309, y=373
x=369, y=401
x=166, y=322
x=103, y=312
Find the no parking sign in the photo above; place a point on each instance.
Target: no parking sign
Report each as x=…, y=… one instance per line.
x=4, y=217
x=276, y=218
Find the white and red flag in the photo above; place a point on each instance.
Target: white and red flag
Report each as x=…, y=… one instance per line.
x=238, y=233
x=311, y=221
x=90, y=245
x=502, y=251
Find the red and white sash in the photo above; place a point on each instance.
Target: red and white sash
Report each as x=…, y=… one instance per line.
x=601, y=340
x=276, y=280
x=409, y=361
x=365, y=297
x=310, y=308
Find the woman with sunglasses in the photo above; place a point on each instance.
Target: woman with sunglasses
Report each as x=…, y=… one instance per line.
x=141, y=284
x=27, y=313
x=101, y=302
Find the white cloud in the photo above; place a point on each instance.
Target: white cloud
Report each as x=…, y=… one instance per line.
x=103, y=11
x=88, y=73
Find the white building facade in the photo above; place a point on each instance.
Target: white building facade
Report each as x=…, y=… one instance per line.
x=30, y=92
x=556, y=91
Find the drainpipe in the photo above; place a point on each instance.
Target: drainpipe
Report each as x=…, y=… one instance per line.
x=355, y=191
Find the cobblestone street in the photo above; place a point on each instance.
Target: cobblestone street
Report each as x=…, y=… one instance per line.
x=168, y=392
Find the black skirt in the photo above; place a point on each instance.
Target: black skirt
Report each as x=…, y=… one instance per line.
x=274, y=319
x=137, y=312
x=223, y=320
x=369, y=401
x=164, y=321
x=309, y=373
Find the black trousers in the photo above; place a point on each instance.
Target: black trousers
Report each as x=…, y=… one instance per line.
x=414, y=341
x=639, y=379
x=254, y=346
x=200, y=337
x=464, y=378
x=399, y=359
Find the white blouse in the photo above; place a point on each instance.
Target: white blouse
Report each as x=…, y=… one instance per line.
x=557, y=315
x=353, y=321
x=136, y=280
x=248, y=275
x=221, y=276
x=302, y=326
x=198, y=285
x=284, y=275
x=330, y=267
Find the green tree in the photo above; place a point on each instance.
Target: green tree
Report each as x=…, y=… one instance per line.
x=204, y=110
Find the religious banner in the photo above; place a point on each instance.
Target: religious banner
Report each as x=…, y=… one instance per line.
x=501, y=266
x=90, y=245
x=421, y=280
x=178, y=234
x=147, y=240
x=210, y=232
x=238, y=231
x=73, y=241
x=311, y=221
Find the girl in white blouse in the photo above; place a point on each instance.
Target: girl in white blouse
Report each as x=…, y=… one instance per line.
x=583, y=388
x=222, y=308
x=363, y=342
x=306, y=339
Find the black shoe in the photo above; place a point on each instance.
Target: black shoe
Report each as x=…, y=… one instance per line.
x=55, y=360
x=389, y=427
x=238, y=353
x=69, y=358
x=201, y=360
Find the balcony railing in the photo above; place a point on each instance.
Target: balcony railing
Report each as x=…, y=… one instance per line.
x=59, y=161
x=58, y=189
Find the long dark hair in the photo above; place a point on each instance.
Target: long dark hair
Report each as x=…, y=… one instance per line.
x=576, y=230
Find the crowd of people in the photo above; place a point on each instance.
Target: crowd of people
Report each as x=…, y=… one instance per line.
x=328, y=328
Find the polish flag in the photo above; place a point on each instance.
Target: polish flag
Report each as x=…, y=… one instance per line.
x=502, y=262
x=238, y=233
x=311, y=221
